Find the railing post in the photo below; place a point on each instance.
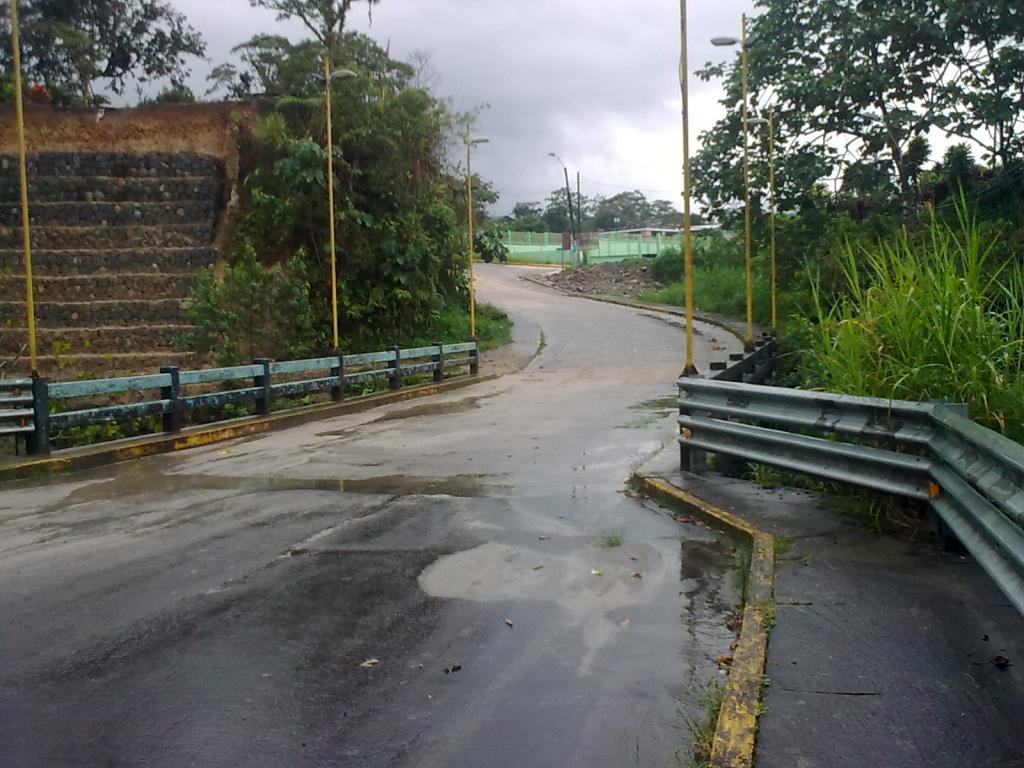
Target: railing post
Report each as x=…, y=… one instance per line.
x=395, y=379
x=474, y=359
x=172, y=419
x=38, y=443
x=262, y=381
x=439, y=363
x=692, y=460
x=338, y=392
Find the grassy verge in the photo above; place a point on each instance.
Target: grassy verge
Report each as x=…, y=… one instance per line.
x=937, y=316
x=493, y=328
x=721, y=290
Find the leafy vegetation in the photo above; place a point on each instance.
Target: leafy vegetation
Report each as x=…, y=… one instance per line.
x=401, y=251
x=70, y=45
x=935, y=315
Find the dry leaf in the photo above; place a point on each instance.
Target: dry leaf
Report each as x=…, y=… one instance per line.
x=596, y=573
x=637, y=575
x=370, y=663
x=509, y=622
x=537, y=567
x=452, y=668
x=543, y=538
x=724, y=661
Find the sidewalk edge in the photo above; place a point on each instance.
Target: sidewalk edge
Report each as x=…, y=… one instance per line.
x=736, y=732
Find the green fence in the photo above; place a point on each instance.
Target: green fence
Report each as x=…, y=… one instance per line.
x=546, y=247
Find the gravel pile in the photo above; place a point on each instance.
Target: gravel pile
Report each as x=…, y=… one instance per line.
x=612, y=279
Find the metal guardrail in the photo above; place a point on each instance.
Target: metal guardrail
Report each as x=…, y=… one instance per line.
x=972, y=477
x=17, y=414
x=25, y=404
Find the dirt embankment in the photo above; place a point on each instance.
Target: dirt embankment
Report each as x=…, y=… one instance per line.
x=613, y=279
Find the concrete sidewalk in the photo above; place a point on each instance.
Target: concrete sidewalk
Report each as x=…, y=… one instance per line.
x=885, y=651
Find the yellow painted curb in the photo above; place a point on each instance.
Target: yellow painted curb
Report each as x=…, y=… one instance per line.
x=736, y=732
x=202, y=435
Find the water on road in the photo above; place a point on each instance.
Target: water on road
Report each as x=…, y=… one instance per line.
x=460, y=581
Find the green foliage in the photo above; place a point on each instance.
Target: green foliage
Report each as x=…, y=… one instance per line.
x=933, y=317
x=489, y=246
x=703, y=730
x=71, y=44
x=255, y=311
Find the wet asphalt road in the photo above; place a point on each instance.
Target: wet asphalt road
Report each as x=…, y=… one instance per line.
x=215, y=607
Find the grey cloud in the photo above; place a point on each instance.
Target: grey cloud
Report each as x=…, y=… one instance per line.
x=595, y=81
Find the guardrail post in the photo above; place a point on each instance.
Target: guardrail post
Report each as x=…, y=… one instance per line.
x=691, y=460
x=338, y=392
x=439, y=363
x=474, y=359
x=38, y=443
x=172, y=419
x=263, y=399
x=395, y=378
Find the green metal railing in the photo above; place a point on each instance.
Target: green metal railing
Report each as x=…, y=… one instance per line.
x=172, y=393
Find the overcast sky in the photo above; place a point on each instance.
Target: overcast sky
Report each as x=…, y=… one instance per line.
x=592, y=80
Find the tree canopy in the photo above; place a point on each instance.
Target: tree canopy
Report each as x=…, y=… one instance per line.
x=858, y=86
x=72, y=45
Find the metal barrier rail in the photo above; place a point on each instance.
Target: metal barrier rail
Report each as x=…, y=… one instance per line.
x=17, y=414
x=972, y=477
x=261, y=382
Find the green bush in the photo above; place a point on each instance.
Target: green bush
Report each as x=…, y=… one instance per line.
x=939, y=317
x=256, y=311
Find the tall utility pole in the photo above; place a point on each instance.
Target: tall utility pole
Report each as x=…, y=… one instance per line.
x=568, y=198
x=26, y=235
x=684, y=84
x=470, y=143
x=745, y=63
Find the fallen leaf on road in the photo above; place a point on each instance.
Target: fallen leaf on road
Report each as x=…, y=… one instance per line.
x=637, y=575
x=452, y=668
x=625, y=623
x=724, y=661
x=687, y=520
x=734, y=622
x=1002, y=662
x=370, y=663
x=509, y=622
x=596, y=573
x=634, y=559
x=537, y=567
x=543, y=538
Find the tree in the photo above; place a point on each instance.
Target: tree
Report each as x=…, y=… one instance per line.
x=70, y=45
x=324, y=18
x=274, y=66
x=866, y=82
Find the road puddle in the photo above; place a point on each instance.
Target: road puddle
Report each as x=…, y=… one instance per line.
x=651, y=412
x=592, y=585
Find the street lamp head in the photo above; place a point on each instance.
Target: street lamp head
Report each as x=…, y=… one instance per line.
x=342, y=74
x=759, y=121
x=725, y=42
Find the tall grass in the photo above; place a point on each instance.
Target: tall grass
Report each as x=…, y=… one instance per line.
x=933, y=316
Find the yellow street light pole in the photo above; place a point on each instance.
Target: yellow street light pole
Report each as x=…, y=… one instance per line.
x=470, y=143
x=770, y=122
x=774, y=206
x=748, y=248
x=684, y=84
x=329, y=77
x=26, y=235
x=749, y=258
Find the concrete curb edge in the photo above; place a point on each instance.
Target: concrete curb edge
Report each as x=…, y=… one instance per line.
x=736, y=733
